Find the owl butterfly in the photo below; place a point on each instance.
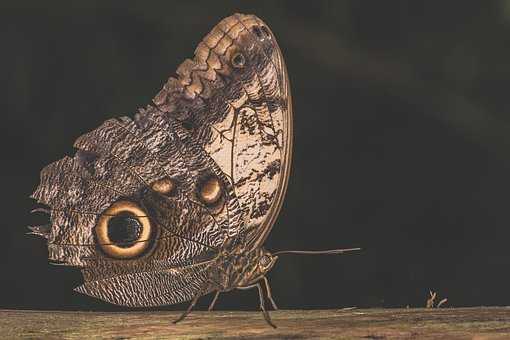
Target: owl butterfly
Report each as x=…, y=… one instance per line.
x=177, y=202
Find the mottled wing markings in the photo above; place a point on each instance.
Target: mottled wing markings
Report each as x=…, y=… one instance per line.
x=141, y=159
x=73, y=185
x=283, y=97
x=256, y=145
x=210, y=94
x=229, y=218
x=212, y=119
x=147, y=288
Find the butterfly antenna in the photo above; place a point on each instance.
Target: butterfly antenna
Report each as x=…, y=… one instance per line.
x=317, y=252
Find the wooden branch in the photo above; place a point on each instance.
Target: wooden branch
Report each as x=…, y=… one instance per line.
x=483, y=322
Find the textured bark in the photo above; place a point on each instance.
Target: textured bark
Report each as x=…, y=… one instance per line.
x=451, y=323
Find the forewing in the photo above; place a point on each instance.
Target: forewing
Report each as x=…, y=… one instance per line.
x=241, y=114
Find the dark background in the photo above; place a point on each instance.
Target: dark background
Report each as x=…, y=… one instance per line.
x=402, y=139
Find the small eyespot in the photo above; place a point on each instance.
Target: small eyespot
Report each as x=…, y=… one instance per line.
x=258, y=32
x=123, y=230
x=164, y=186
x=238, y=60
x=266, y=32
x=210, y=191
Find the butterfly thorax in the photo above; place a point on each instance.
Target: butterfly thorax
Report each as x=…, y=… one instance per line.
x=238, y=268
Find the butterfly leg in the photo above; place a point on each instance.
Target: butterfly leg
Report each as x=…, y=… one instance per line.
x=262, y=304
x=190, y=307
x=211, y=306
x=269, y=295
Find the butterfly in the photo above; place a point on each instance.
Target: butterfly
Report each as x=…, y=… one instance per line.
x=177, y=201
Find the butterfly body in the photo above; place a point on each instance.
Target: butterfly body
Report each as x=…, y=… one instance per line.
x=239, y=268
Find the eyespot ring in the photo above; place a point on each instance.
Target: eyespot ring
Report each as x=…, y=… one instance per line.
x=238, y=60
x=137, y=220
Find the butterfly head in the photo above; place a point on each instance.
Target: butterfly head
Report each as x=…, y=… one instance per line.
x=266, y=261
x=262, y=262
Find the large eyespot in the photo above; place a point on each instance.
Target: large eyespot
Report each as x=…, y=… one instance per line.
x=210, y=191
x=164, y=186
x=238, y=60
x=123, y=230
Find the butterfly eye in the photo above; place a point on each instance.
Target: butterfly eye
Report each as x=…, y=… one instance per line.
x=238, y=60
x=210, y=191
x=265, y=261
x=123, y=230
x=164, y=186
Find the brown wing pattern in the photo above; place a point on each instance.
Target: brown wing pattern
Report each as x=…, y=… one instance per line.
x=119, y=161
x=209, y=163
x=241, y=114
x=151, y=288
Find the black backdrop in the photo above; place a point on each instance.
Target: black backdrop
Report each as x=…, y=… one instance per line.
x=401, y=139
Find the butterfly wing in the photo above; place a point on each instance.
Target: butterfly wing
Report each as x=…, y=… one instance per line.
x=235, y=98
x=151, y=288
x=209, y=163
x=115, y=175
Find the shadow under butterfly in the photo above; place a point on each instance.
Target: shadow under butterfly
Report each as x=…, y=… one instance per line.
x=177, y=202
